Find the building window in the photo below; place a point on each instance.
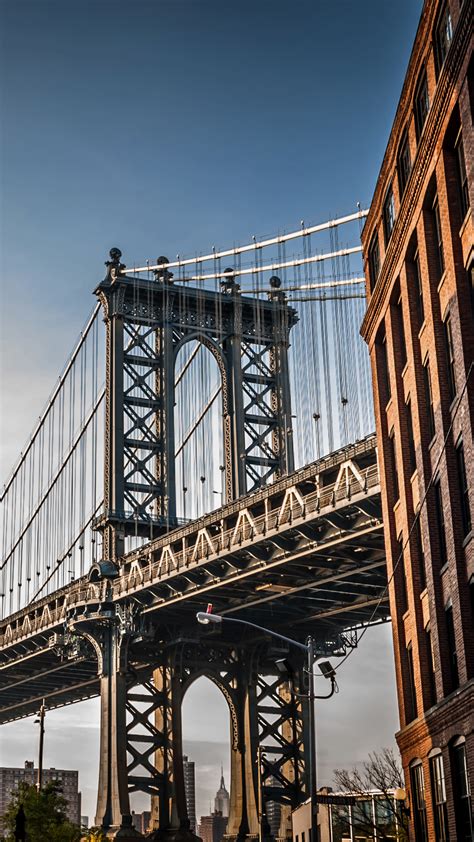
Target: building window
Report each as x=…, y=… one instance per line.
x=443, y=37
x=463, y=488
x=393, y=460
x=401, y=333
x=403, y=163
x=453, y=656
x=388, y=214
x=448, y=337
x=462, y=793
x=422, y=104
x=411, y=440
x=462, y=175
x=438, y=238
x=419, y=803
x=385, y=369
x=443, y=557
x=411, y=710
x=429, y=398
x=429, y=652
x=421, y=551
x=439, y=798
x=374, y=260
x=419, y=288
x=400, y=562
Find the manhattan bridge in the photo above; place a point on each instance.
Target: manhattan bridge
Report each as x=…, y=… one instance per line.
x=209, y=441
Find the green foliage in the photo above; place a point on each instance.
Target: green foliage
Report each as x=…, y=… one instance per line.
x=45, y=813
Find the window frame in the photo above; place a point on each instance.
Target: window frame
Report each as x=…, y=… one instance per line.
x=463, y=487
x=443, y=27
x=388, y=213
x=451, y=639
x=411, y=439
x=429, y=397
x=450, y=356
x=400, y=559
x=412, y=713
x=374, y=264
x=403, y=163
x=420, y=303
x=462, y=813
x=438, y=236
x=463, y=183
x=440, y=522
x=394, y=466
x=418, y=100
x=438, y=794
x=417, y=778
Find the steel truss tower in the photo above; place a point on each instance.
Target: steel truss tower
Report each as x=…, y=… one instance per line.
x=147, y=322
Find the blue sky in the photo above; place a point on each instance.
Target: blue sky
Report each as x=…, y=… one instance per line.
x=167, y=127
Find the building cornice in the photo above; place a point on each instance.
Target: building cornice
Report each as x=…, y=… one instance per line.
x=441, y=717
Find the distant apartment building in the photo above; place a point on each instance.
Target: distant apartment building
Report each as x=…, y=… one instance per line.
x=190, y=791
x=418, y=244
x=273, y=811
x=212, y=828
x=141, y=821
x=67, y=780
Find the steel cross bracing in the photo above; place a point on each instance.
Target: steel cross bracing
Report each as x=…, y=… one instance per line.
x=148, y=322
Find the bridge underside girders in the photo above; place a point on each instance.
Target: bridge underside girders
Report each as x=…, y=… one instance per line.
x=308, y=549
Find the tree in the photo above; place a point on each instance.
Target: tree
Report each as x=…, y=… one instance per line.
x=45, y=813
x=381, y=772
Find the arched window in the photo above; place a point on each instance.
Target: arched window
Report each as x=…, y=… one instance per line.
x=438, y=790
x=461, y=790
x=418, y=800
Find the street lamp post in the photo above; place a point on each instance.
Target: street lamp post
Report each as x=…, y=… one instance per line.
x=40, y=721
x=206, y=617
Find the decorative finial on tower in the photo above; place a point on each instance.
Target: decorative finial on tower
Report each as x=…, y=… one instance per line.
x=163, y=275
x=228, y=283
x=276, y=294
x=114, y=267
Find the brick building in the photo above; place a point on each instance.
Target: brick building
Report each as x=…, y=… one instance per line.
x=67, y=779
x=212, y=828
x=419, y=264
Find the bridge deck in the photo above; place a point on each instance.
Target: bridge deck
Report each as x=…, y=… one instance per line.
x=305, y=553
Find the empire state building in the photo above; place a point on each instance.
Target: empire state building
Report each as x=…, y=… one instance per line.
x=221, y=801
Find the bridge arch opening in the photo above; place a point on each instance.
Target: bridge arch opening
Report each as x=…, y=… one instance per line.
x=206, y=729
x=198, y=424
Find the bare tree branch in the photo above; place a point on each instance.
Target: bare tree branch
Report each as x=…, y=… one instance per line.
x=381, y=772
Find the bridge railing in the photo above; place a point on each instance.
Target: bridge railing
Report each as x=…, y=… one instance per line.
x=156, y=565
